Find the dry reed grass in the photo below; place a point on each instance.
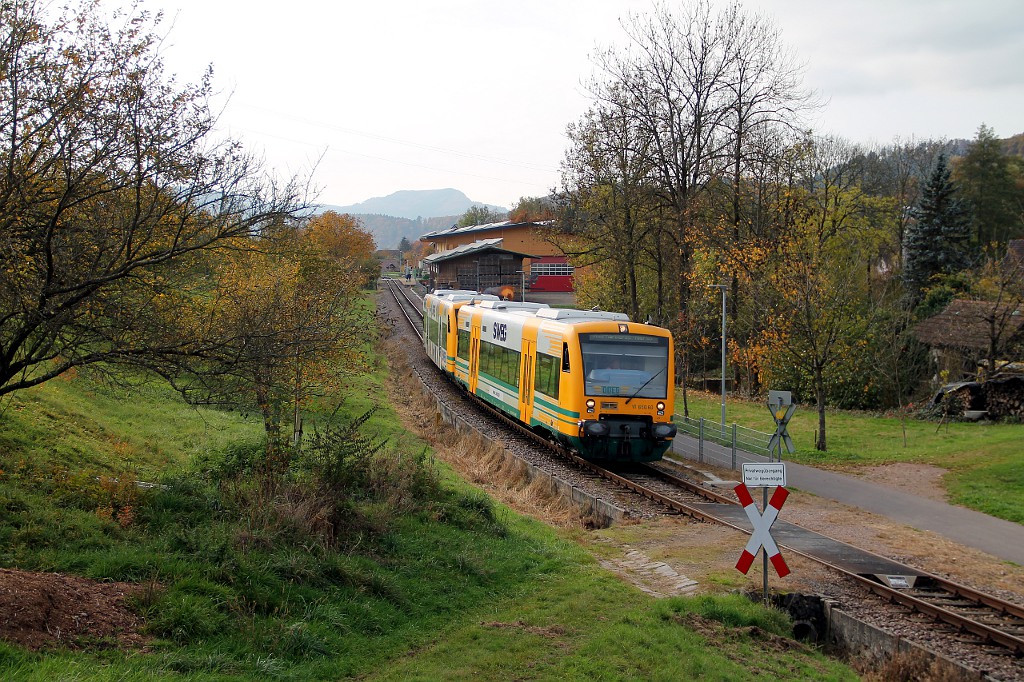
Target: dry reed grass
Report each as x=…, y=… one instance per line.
x=484, y=464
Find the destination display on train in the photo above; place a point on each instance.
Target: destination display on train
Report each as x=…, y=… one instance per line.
x=625, y=338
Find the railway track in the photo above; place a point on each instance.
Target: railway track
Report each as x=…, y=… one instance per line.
x=409, y=304
x=976, y=618
x=970, y=612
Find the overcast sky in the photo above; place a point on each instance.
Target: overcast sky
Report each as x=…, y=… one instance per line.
x=386, y=95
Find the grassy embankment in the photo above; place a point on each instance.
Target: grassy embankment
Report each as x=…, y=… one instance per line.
x=426, y=579
x=985, y=459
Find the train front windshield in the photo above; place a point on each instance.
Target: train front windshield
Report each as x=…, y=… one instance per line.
x=628, y=365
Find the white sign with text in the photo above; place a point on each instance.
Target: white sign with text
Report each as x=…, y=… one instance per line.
x=764, y=475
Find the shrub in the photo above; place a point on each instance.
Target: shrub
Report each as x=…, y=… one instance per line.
x=339, y=457
x=341, y=484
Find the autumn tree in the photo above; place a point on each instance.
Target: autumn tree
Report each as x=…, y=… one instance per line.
x=341, y=238
x=110, y=189
x=766, y=102
x=672, y=74
x=480, y=215
x=283, y=324
x=419, y=251
x=533, y=210
x=707, y=94
x=816, y=289
x=1000, y=281
x=609, y=215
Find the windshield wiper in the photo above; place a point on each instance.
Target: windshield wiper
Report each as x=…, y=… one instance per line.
x=653, y=376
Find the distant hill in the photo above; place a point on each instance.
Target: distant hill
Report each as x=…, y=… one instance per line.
x=409, y=213
x=388, y=230
x=416, y=203
x=1014, y=146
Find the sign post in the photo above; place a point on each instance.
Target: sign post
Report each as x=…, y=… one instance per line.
x=780, y=404
x=763, y=476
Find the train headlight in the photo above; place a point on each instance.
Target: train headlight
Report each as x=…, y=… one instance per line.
x=590, y=405
x=663, y=431
x=661, y=409
x=595, y=429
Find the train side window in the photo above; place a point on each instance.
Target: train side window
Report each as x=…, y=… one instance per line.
x=499, y=362
x=547, y=376
x=565, y=357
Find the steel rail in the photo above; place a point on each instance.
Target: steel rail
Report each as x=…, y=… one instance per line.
x=898, y=595
x=922, y=605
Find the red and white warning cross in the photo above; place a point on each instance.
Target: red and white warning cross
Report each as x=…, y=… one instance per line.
x=762, y=535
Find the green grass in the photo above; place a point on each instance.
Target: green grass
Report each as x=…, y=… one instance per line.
x=985, y=459
x=454, y=587
x=463, y=590
x=444, y=604
x=87, y=423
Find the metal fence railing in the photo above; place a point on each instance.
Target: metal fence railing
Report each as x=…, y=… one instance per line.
x=726, y=446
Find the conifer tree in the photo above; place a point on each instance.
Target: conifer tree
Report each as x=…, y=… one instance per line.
x=938, y=237
x=986, y=179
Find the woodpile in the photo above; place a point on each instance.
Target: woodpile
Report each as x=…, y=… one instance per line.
x=1004, y=397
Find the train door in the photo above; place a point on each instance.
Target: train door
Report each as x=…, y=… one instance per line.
x=529, y=354
x=474, y=352
x=448, y=326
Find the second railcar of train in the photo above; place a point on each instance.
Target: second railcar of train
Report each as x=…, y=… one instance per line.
x=593, y=380
x=439, y=310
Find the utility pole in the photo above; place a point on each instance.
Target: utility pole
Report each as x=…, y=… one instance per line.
x=723, y=287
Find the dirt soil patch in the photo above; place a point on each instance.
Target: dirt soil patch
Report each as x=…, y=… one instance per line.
x=923, y=480
x=47, y=610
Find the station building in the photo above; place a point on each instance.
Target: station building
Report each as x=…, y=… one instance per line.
x=497, y=255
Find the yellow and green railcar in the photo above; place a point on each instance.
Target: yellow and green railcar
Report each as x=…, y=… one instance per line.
x=590, y=379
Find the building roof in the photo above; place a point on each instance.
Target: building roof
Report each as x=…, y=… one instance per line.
x=1015, y=250
x=479, y=246
x=455, y=230
x=966, y=324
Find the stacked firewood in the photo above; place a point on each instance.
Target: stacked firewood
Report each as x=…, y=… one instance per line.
x=1004, y=397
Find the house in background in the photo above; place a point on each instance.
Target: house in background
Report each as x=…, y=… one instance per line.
x=975, y=339
x=967, y=333
x=1015, y=253
x=390, y=260
x=483, y=265
x=542, y=266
